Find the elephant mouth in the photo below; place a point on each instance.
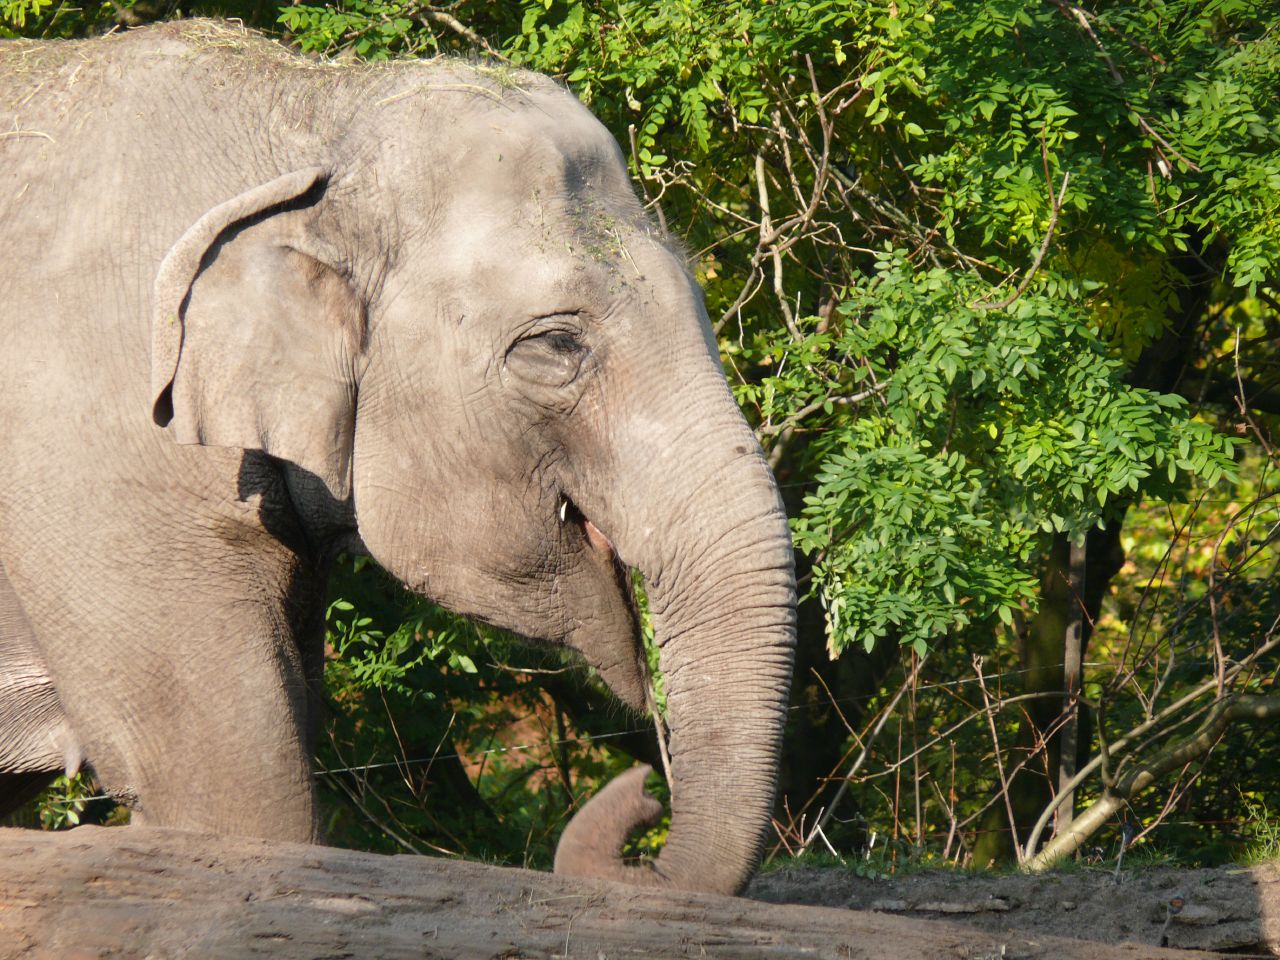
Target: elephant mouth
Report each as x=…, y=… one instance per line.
x=599, y=541
x=608, y=636
x=596, y=538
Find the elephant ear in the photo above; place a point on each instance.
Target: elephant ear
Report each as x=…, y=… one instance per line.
x=255, y=336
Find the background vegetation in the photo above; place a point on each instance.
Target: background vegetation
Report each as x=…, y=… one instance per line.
x=996, y=282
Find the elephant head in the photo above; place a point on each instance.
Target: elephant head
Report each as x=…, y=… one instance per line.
x=450, y=316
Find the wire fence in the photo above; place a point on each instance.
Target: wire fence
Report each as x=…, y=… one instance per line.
x=586, y=738
x=921, y=688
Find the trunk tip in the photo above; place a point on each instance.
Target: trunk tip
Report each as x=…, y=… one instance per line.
x=591, y=845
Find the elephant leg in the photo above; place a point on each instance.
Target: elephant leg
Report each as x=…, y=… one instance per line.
x=191, y=697
x=36, y=743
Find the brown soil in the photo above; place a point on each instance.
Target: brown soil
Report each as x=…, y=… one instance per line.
x=143, y=892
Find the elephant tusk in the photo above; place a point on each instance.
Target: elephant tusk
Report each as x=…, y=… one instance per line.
x=564, y=509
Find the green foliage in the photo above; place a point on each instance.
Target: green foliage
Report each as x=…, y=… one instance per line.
x=1261, y=828
x=49, y=19
x=65, y=801
x=381, y=29
x=678, y=71
x=984, y=430
x=658, y=682
x=16, y=12
x=1165, y=113
x=384, y=29
x=366, y=657
x=439, y=734
x=929, y=500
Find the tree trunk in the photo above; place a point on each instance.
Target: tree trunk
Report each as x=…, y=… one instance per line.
x=1043, y=663
x=1072, y=668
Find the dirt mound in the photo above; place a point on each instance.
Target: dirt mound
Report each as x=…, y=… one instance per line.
x=138, y=891
x=1236, y=909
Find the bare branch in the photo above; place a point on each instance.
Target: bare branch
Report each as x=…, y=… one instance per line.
x=814, y=407
x=1035, y=264
x=995, y=744
x=885, y=714
x=461, y=29
x=649, y=201
x=1170, y=758
x=768, y=236
x=1174, y=708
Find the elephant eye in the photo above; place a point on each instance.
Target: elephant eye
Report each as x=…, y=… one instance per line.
x=552, y=358
x=562, y=342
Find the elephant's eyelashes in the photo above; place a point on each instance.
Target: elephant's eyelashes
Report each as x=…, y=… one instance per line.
x=564, y=343
x=553, y=358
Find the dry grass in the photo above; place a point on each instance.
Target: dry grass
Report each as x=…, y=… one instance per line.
x=245, y=54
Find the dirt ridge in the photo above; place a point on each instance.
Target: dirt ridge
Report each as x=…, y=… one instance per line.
x=1228, y=908
x=138, y=891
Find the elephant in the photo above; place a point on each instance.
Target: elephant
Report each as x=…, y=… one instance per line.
x=259, y=310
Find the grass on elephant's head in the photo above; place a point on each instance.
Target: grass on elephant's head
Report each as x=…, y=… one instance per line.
x=36, y=61
x=505, y=75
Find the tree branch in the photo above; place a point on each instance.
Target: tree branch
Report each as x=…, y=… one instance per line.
x=1035, y=264
x=1142, y=728
x=461, y=29
x=1173, y=756
x=814, y=407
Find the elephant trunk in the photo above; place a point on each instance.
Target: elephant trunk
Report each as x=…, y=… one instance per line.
x=727, y=659
x=716, y=556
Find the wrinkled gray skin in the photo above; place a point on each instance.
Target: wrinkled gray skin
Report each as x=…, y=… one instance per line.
x=598, y=832
x=257, y=310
